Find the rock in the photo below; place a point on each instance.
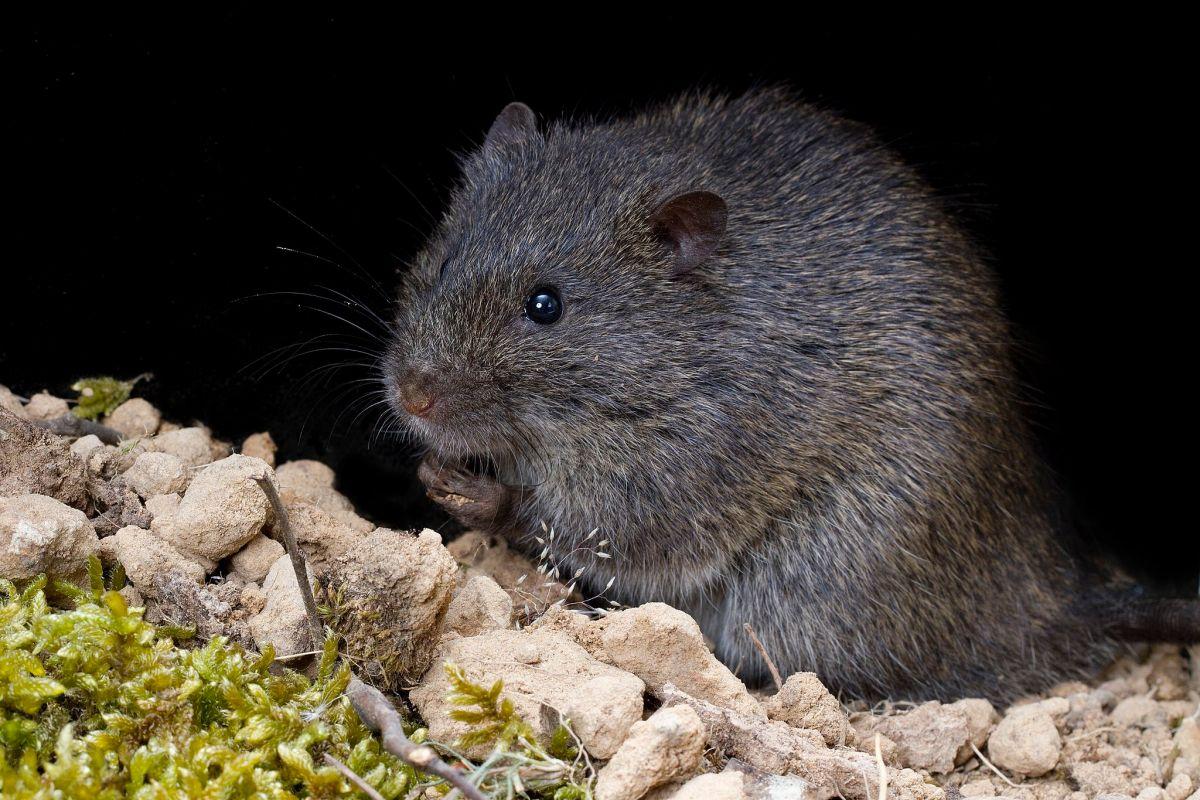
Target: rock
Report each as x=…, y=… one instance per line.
x=192, y=445
x=321, y=536
x=539, y=669
x=260, y=446
x=38, y=534
x=157, y=474
x=1138, y=711
x=390, y=591
x=223, y=509
x=119, y=506
x=134, y=418
x=777, y=748
x=283, y=622
x=253, y=598
x=34, y=461
x=84, y=445
x=804, y=702
x=907, y=784
x=491, y=556
x=1178, y=788
x=254, y=561
x=662, y=645
x=665, y=747
x=1187, y=743
x=133, y=598
x=11, y=402
x=713, y=786
x=981, y=717
x=479, y=606
x=928, y=737
x=147, y=558
x=1026, y=742
x=313, y=481
x=45, y=406
x=162, y=505
x=1151, y=793
x=977, y=787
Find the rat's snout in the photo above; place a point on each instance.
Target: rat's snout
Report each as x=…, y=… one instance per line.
x=418, y=392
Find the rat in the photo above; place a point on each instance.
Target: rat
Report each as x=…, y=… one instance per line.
x=741, y=359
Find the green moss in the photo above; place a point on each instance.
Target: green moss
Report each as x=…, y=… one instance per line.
x=99, y=396
x=95, y=702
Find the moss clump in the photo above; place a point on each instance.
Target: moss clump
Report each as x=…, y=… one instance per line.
x=99, y=396
x=97, y=703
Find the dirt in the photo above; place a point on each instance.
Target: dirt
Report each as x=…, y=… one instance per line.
x=659, y=716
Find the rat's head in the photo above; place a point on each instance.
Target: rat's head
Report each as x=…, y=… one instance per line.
x=559, y=291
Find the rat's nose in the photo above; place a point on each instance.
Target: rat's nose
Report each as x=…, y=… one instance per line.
x=416, y=393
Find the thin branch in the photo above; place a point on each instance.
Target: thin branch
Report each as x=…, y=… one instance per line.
x=289, y=541
x=380, y=716
x=71, y=425
x=883, y=775
x=372, y=707
x=993, y=767
x=762, y=651
x=353, y=777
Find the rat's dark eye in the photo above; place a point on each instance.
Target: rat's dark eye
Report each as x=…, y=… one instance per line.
x=543, y=305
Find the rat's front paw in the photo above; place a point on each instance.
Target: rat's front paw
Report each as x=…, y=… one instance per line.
x=479, y=502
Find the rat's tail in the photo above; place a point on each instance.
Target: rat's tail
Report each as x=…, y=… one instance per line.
x=1158, y=619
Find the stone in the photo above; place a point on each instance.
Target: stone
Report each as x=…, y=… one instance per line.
x=667, y=746
x=44, y=406
x=540, y=669
x=223, y=509
x=313, y=481
x=479, y=606
x=260, y=446
x=192, y=445
x=804, y=702
x=157, y=474
x=1026, y=742
x=134, y=418
x=39, y=534
x=254, y=561
x=283, y=621
x=147, y=559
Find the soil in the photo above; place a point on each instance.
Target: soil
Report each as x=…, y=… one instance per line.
x=657, y=714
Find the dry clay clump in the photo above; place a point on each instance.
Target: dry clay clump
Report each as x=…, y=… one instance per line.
x=389, y=593
x=38, y=534
x=540, y=669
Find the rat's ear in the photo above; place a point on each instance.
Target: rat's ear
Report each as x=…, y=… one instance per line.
x=515, y=124
x=693, y=223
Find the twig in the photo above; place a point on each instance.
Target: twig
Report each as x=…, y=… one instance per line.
x=372, y=707
x=883, y=776
x=71, y=425
x=380, y=716
x=762, y=651
x=289, y=541
x=993, y=767
x=353, y=777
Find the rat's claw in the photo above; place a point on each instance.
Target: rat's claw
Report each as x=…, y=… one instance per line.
x=479, y=502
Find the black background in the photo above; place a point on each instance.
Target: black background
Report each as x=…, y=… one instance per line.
x=154, y=166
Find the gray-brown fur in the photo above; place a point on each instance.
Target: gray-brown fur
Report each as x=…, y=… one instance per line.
x=817, y=431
